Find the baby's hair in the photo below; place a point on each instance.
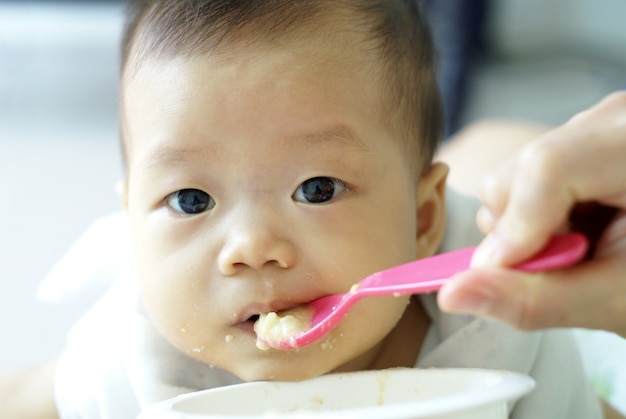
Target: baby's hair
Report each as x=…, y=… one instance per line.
x=165, y=29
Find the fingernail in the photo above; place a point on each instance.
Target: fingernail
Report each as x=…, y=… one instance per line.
x=487, y=254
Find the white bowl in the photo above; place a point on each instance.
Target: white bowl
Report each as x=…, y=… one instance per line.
x=387, y=394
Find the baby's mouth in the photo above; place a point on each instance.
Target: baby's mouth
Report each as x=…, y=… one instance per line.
x=248, y=324
x=253, y=319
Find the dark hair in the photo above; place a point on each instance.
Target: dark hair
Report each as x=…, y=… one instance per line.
x=397, y=29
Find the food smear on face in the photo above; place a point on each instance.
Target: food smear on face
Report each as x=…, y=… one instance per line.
x=272, y=329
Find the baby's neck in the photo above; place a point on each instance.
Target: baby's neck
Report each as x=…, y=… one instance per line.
x=402, y=345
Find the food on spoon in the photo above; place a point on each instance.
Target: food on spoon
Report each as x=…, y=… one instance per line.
x=272, y=329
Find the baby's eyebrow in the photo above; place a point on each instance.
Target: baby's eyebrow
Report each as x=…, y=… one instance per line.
x=338, y=135
x=167, y=156
x=341, y=135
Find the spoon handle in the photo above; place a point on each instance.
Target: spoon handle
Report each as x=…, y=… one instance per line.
x=429, y=274
x=425, y=275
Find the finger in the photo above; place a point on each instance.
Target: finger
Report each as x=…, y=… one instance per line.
x=527, y=199
x=496, y=186
x=485, y=220
x=591, y=295
x=605, y=111
x=581, y=160
x=539, y=202
x=552, y=175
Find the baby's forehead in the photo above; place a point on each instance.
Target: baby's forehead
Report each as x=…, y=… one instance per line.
x=290, y=75
x=335, y=39
x=313, y=55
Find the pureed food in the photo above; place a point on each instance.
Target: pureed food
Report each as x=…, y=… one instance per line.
x=272, y=329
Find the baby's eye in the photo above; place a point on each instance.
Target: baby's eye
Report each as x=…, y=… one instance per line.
x=319, y=190
x=190, y=201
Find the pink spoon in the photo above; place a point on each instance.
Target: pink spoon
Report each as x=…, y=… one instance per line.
x=423, y=276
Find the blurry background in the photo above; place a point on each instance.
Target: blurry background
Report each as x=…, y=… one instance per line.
x=539, y=60
x=58, y=156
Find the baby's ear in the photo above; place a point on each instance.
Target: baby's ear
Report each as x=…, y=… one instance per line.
x=431, y=210
x=121, y=187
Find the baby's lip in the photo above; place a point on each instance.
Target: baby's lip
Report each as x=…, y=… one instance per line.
x=252, y=311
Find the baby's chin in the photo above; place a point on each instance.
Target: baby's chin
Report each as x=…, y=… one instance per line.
x=281, y=369
x=277, y=374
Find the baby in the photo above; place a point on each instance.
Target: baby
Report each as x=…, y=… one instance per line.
x=278, y=151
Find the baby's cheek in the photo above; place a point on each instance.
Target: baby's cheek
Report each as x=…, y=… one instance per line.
x=175, y=308
x=373, y=318
x=182, y=324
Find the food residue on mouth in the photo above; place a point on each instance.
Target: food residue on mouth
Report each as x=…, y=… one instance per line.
x=354, y=287
x=272, y=329
x=327, y=345
x=228, y=338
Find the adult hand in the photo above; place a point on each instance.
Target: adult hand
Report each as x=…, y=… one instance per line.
x=531, y=197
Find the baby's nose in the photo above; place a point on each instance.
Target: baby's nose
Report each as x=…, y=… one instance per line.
x=255, y=246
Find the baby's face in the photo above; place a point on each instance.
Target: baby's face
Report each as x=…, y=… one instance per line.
x=258, y=183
